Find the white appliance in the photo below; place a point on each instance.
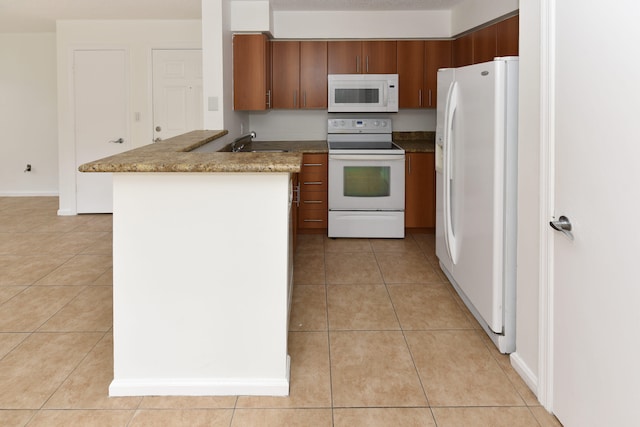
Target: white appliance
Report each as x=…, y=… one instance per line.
x=362, y=93
x=476, y=182
x=366, y=179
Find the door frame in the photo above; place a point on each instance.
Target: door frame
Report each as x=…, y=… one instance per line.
x=547, y=202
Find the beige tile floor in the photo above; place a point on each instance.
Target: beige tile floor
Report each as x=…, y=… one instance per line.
x=378, y=338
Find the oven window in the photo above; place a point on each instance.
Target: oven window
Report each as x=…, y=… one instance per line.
x=367, y=181
x=357, y=96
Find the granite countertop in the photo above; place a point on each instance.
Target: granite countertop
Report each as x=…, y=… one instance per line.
x=174, y=155
x=416, y=142
x=290, y=146
x=411, y=142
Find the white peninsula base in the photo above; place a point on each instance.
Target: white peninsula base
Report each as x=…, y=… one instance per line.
x=201, y=283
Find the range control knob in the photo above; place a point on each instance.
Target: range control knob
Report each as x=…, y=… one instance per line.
x=376, y=123
x=384, y=123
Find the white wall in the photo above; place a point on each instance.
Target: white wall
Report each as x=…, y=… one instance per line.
x=140, y=38
x=525, y=359
x=251, y=16
x=362, y=24
x=472, y=13
x=28, y=115
x=217, y=51
x=309, y=125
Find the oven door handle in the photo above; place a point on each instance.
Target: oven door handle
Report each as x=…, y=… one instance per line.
x=356, y=157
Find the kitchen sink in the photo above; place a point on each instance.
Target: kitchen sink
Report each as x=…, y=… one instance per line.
x=268, y=150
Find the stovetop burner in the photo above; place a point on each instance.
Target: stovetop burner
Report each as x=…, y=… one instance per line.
x=362, y=145
x=361, y=136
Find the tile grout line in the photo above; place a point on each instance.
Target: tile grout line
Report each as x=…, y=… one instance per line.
x=406, y=342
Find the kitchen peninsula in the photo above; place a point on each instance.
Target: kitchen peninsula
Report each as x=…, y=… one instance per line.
x=202, y=268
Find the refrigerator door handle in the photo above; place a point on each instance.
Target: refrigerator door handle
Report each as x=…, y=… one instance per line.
x=450, y=111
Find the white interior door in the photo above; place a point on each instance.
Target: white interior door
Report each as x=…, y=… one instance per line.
x=177, y=92
x=101, y=109
x=596, y=281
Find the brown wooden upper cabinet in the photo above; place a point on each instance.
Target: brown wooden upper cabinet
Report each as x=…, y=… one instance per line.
x=437, y=54
x=251, y=72
x=463, y=51
x=499, y=39
x=299, y=74
x=361, y=57
x=418, y=64
x=508, y=36
x=484, y=44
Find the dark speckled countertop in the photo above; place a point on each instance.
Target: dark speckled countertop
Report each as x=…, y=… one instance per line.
x=177, y=155
x=412, y=142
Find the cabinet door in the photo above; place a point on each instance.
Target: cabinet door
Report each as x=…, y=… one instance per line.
x=508, y=36
x=463, y=51
x=437, y=54
x=420, y=190
x=251, y=72
x=313, y=74
x=286, y=74
x=379, y=57
x=344, y=57
x=484, y=44
x=411, y=77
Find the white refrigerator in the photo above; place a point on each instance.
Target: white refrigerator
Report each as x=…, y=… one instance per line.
x=476, y=184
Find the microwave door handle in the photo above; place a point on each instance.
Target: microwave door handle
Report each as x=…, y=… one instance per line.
x=386, y=94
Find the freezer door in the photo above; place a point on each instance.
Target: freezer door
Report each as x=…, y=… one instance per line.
x=477, y=188
x=445, y=80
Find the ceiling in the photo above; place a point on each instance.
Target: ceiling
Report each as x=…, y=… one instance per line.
x=40, y=15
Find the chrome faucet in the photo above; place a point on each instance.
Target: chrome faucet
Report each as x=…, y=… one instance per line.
x=249, y=136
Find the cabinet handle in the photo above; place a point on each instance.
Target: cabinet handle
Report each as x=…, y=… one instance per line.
x=304, y=98
x=419, y=97
x=312, y=220
x=357, y=64
x=313, y=183
x=295, y=98
x=409, y=164
x=312, y=164
x=430, y=98
x=312, y=202
x=367, y=63
x=269, y=98
x=297, y=191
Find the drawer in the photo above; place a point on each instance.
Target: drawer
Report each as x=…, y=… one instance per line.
x=313, y=182
x=313, y=200
x=314, y=162
x=310, y=218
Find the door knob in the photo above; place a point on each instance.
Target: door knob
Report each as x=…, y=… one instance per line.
x=562, y=225
x=117, y=141
x=158, y=128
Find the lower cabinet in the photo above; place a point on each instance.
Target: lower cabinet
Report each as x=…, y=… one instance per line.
x=313, y=210
x=420, y=191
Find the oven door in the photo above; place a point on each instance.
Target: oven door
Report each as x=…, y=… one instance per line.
x=366, y=182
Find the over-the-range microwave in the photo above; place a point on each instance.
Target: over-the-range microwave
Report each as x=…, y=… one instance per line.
x=363, y=93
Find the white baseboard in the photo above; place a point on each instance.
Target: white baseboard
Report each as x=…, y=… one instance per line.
x=66, y=212
x=525, y=372
x=28, y=194
x=199, y=387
